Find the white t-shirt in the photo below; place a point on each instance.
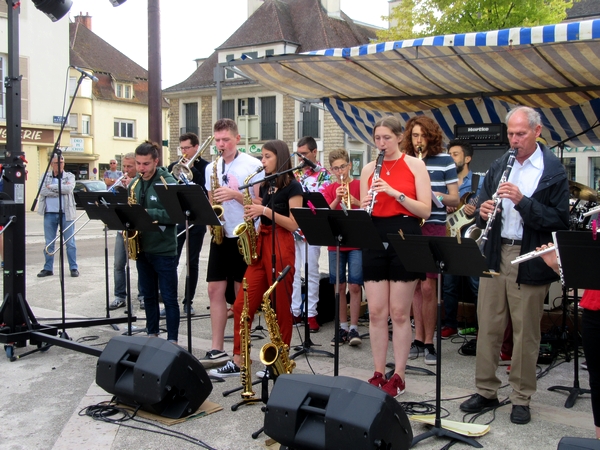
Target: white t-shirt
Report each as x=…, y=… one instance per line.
x=236, y=172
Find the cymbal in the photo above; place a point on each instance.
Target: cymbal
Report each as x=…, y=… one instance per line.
x=582, y=192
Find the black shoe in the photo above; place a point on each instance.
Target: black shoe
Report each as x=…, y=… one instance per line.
x=45, y=273
x=74, y=273
x=477, y=403
x=520, y=414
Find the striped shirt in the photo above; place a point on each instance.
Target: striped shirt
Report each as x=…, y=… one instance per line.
x=442, y=172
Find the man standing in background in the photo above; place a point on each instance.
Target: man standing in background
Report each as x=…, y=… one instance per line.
x=112, y=175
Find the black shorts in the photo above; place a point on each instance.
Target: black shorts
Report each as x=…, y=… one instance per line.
x=379, y=265
x=225, y=261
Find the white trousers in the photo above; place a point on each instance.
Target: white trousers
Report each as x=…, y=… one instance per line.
x=313, y=278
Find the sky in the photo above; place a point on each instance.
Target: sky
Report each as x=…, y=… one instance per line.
x=190, y=29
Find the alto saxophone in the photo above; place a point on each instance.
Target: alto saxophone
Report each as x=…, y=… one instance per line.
x=275, y=354
x=245, y=231
x=132, y=243
x=245, y=376
x=217, y=231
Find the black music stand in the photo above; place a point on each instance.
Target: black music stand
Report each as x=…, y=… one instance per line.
x=82, y=199
x=309, y=200
x=573, y=246
x=187, y=203
x=326, y=227
x=441, y=255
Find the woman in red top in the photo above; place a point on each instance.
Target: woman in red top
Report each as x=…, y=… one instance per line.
x=403, y=199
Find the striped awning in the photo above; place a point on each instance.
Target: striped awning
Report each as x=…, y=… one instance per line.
x=456, y=79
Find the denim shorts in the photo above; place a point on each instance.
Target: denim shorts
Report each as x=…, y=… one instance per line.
x=350, y=258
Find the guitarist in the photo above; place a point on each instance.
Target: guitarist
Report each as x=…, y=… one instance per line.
x=462, y=154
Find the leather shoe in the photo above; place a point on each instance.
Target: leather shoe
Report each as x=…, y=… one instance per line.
x=74, y=273
x=520, y=414
x=45, y=273
x=477, y=403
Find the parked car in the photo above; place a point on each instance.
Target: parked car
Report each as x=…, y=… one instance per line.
x=88, y=186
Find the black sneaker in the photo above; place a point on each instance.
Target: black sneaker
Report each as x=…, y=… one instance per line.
x=354, y=338
x=430, y=355
x=228, y=370
x=343, y=337
x=117, y=303
x=185, y=309
x=214, y=358
x=45, y=273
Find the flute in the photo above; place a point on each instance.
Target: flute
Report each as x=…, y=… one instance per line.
x=531, y=255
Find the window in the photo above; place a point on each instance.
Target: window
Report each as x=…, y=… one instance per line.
x=124, y=128
x=269, y=52
x=268, y=125
x=246, y=106
x=123, y=90
x=228, y=109
x=229, y=73
x=309, y=125
x=85, y=124
x=74, y=122
x=191, y=118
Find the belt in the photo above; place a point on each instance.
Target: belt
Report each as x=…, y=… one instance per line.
x=505, y=241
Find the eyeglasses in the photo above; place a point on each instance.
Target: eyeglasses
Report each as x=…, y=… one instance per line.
x=185, y=149
x=342, y=167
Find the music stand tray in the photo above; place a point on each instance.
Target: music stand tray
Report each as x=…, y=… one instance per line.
x=442, y=255
x=336, y=228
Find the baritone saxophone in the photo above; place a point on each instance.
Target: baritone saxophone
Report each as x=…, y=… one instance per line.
x=245, y=231
x=217, y=231
x=275, y=354
x=132, y=243
x=245, y=377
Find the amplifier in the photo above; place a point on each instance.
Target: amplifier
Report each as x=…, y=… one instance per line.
x=482, y=133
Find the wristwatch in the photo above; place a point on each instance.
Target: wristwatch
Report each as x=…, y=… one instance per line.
x=401, y=197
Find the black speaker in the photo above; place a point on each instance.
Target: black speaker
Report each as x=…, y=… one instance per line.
x=321, y=412
x=573, y=443
x=326, y=303
x=155, y=374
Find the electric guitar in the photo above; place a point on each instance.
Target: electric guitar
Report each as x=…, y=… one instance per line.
x=458, y=219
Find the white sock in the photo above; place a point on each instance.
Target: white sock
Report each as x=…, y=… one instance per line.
x=344, y=326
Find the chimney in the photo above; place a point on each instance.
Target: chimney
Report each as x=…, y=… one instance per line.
x=332, y=7
x=86, y=20
x=253, y=5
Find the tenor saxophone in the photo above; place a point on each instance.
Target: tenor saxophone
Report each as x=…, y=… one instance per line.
x=275, y=354
x=245, y=377
x=132, y=243
x=217, y=231
x=245, y=231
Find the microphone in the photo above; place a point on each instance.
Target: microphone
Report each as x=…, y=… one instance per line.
x=307, y=162
x=85, y=74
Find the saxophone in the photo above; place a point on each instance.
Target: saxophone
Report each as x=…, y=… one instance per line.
x=132, y=243
x=245, y=231
x=217, y=231
x=275, y=354
x=245, y=376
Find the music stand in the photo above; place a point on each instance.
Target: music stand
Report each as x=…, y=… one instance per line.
x=187, y=203
x=326, y=227
x=442, y=255
x=309, y=200
x=573, y=246
x=82, y=199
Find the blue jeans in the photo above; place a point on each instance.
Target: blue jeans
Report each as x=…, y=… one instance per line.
x=119, y=267
x=352, y=258
x=197, y=233
x=156, y=271
x=450, y=296
x=51, y=223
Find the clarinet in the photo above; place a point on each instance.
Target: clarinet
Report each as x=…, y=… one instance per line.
x=509, y=165
x=376, y=172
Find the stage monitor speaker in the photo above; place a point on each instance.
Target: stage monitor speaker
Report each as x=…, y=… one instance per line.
x=485, y=155
x=322, y=412
x=574, y=443
x=160, y=377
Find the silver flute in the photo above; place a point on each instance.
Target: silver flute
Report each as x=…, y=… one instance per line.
x=492, y=216
x=531, y=255
x=117, y=183
x=376, y=172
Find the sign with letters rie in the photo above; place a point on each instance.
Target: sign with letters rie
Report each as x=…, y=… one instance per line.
x=32, y=135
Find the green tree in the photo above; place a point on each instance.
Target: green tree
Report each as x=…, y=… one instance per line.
x=419, y=18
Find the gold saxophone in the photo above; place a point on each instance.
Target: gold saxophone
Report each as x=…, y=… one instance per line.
x=275, y=354
x=132, y=243
x=245, y=231
x=217, y=231
x=245, y=376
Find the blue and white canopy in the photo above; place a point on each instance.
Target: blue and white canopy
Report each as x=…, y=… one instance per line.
x=455, y=79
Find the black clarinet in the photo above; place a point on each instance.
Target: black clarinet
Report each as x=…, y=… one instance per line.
x=376, y=172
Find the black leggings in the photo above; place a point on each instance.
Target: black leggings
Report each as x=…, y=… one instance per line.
x=590, y=330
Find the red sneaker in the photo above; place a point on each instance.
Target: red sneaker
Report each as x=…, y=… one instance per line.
x=313, y=326
x=508, y=370
x=395, y=386
x=378, y=380
x=504, y=360
x=297, y=320
x=448, y=332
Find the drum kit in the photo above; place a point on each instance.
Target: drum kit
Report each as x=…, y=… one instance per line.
x=583, y=206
